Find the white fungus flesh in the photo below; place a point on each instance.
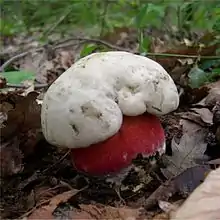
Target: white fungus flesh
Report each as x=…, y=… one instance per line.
x=86, y=104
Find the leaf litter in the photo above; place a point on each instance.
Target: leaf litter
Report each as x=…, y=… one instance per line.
x=39, y=178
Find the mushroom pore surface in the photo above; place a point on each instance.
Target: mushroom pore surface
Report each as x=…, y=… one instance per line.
x=86, y=104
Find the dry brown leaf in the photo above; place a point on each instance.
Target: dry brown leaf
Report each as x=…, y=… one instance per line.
x=214, y=162
x=24, y=116
x=46, y=61
x=188, y=180
x=205, y=114
x=193, y=117
x=99, y=211
x=46, y=211
x=10, y=158
x=178, y=74
x=59, y=64
x=35, y=62
x=161, y=216
x=3, y=82
x=191, y=146
x=20, y=117
x=184, y=184
x=213, y=95
x=204, y=202
x=170, y=62
x=122, y=36
x=167, y=206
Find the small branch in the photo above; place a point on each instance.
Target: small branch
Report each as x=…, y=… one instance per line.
x=90, y=40
x=17, y=57
x=12, y=59
x=115, y=47
x=20, y=86
x=98, y=41
x=57, y=162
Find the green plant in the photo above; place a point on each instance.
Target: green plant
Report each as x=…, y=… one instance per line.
x=101, y=16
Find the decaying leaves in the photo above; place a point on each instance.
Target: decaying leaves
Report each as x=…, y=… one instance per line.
x=204, y=202
x=10, y=158
x=46, y=211
x=99, y=211
x=20, y=123
x=205, y=114
x=183, y=184
x=23, y=113
x=190, y=147
x=213, y=95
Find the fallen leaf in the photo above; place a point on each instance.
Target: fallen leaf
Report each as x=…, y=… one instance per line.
x=216, y=113
x=191, y=178
x=122, y=36
x=161, y=216
x=58, y=65
x=23, y=116
x=193, y=117
x=29, y=87
x=181, y=49
x=186, y=61
x=214, y=162
x=204, y=202
x=46, y=211
x=168, y=207
x=20, y=117
x=188, y=42
x=178, y=73
x=3, y=82
x=10, y=158
x=213, y=95
x=88, y=49
x=197, y=77
x=99, y=211
x=18, y=77
x=191, y=146
x=183, y=183
x=205, y=114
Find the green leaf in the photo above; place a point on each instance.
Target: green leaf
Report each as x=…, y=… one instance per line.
x=144, y=43
x=88, y=49
x=140, y=18
x=197, y=77
x=17, y=77
x=208, y=64
x=215, y=75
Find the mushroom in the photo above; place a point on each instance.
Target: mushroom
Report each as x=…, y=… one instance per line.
x=105, y=107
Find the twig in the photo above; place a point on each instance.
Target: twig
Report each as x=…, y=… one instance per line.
x=90, y=40
x=12, y=59
x=17, y=57
x=98, y=41
x=115, y=47
x=58, y=162
x=44, y=203
x=20, y=86
x=163, y=192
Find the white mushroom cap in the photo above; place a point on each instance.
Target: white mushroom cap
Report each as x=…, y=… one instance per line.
x=86, y=103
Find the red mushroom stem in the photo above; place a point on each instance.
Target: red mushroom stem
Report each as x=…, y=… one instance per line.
x=140, y=134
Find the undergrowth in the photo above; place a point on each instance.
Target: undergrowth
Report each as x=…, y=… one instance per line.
x=101, y=16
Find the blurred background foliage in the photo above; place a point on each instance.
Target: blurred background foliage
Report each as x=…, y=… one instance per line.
x=193, y=22
x=101, y=16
